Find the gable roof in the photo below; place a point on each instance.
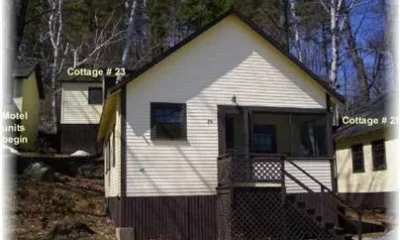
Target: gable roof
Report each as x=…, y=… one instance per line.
x=253, y=26
x=78, y=79
x=24, y=68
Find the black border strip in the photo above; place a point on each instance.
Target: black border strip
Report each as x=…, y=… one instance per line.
x=123, y=154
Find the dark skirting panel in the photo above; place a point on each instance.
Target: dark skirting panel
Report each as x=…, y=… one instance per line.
x=113, y=209
x=177, y=217
x=371, y=200
x=75, y=137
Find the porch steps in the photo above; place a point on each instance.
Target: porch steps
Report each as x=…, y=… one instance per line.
x=319, y=221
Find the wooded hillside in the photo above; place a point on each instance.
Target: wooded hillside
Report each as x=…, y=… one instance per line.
x=346, y=42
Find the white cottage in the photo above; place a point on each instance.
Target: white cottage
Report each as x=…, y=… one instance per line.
x=81, y=107
x=366, y=155
x=219, y=132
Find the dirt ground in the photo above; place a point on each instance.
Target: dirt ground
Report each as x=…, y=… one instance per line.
x=38, y=206
x=375, y=216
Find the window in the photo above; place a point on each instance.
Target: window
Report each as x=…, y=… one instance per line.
x=358, y=158
x=95, y=95
x=264, y=138
x=168, y=121
x=378, y=155
x=312, y=135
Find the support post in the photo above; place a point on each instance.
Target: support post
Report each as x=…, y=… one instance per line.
x=329, y=142
x=282, y=160
x=291, y=135
x=329, y=138
x=246, y=130
x=124, y=233
x=359, y=227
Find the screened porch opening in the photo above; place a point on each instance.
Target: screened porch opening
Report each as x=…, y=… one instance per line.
x=290, y=134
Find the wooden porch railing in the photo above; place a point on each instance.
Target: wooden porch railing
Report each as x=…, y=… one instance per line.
x=236, y=168
x=324, y=189
x=249, y=168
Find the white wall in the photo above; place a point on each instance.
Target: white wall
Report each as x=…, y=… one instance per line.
x=228, y=59
x=370, y=180
x=112, y=178
x=319, y=169
x=75, y=108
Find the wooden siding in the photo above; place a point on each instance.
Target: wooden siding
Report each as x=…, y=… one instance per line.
x=227, y=60
x=372, y=200
x=369, y=180
x=113, y=176
x=319, y=169
x=75, y=108
x=178, y=218
x=27, y=100
x=75, y=137
x=113, y=205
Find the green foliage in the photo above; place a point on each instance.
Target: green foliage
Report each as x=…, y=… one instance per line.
x=163, y=23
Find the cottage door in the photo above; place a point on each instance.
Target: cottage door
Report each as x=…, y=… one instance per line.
x=234, y=140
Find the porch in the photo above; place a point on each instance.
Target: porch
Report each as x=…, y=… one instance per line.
x=256, y=143
x=275, y=171
x=276, y=174
x=293, y=132
x=270, y=196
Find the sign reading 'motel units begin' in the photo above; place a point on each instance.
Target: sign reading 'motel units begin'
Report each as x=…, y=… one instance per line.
x=13, y=129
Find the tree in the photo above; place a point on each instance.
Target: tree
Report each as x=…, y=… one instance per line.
x=55, y=27
x=21, y=7
x=104, y=36
x=358, y=62
x=294, y=25
x=334, y=8
x=270, y=15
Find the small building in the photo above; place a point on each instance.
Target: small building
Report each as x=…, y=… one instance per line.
x=22, y=96
x=80, y=111
x=224, y=136
x=365, y=155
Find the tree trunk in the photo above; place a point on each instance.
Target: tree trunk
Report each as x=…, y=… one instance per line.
x=358, y=63
x=284, y=23
x=130, y=28
x=295, y=28
x=55, y=29
x=54, y=89
x=133, y=25
x=334, y=44
x=21, y=8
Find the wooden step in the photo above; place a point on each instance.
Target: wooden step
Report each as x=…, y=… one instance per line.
x=339, y=230
x=329, y=225
x=290, y=198
x=311, y=211
x=301, y=204
x=348, y=236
